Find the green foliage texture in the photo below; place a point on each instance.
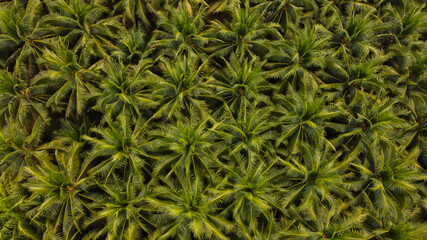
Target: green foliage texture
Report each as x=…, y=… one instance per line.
x=213, y=119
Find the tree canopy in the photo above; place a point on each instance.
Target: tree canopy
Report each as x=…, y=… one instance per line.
x=213, y=119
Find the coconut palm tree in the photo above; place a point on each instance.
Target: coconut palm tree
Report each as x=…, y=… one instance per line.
x=405, y=225
x=123, y=214
x=249, y=133
x=119, y=146
x=253, y=189
x=72, y=81
x=22, y=38
x=406, y=79
x=302, y=117
x=184, y=148
x=367, y=130
x=181, y=90
x=60, y=193
x=188, y=211
x=240, y=85
x=245, y=36
x=351, y=37
x=84, y=26
x=358, y=83
x=132, y=46
x=13, y=222
x=70, y=137
x=20, y=148
x=124, y=90
x=296, y=60
x=21, y=99
x=404, y=24
x=316, y=180
x=180, y=31
x=388, y=180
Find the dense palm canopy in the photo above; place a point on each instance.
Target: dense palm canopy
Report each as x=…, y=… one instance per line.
x=213, y=119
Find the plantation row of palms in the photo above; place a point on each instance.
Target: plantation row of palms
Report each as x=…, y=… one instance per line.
x=213, y=119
